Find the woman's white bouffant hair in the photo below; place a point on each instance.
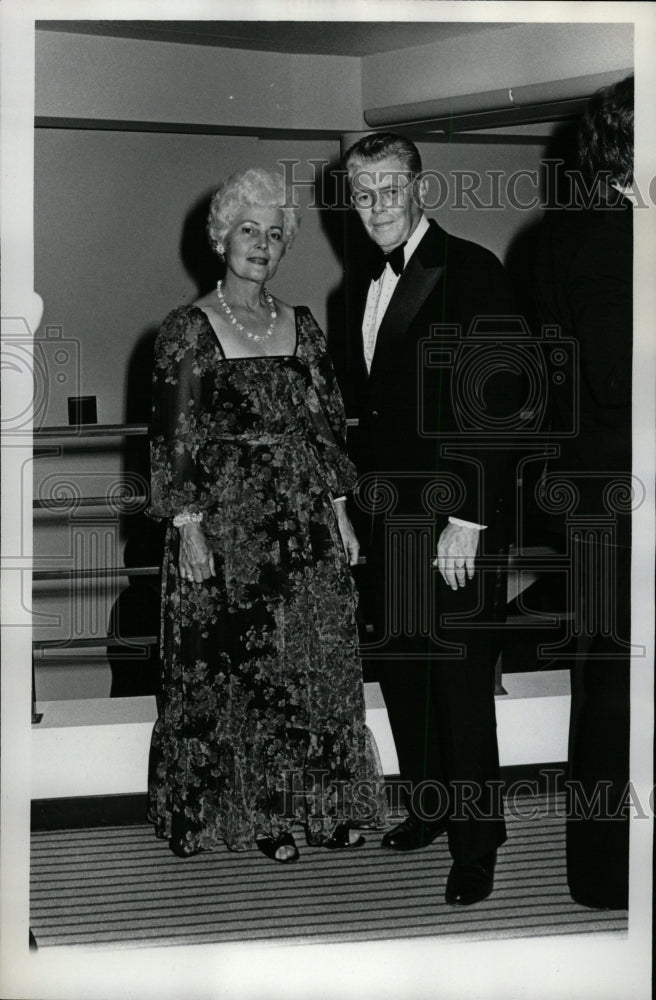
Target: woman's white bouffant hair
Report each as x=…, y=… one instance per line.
x=253, y=186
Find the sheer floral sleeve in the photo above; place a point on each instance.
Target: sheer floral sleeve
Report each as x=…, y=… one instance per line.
x=330, y=416
x=180, y=424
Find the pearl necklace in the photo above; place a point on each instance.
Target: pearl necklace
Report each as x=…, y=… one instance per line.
x=235, y=322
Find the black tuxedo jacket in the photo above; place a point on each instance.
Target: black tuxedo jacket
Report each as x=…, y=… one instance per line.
x=432, y=376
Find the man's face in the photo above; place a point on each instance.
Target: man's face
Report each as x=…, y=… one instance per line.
x=387, y=200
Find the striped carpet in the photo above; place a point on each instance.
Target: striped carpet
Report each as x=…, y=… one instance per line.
x=121, y=887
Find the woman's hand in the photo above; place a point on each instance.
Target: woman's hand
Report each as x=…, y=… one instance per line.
x=346, y=530
x=195, y=561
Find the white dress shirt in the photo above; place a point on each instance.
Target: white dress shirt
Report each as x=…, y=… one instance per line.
x=381, y=291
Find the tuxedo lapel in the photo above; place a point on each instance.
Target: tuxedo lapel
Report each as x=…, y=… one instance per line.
x=419, y=278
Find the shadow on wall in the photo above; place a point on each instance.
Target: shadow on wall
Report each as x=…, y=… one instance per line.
x=349, y=243
x=136, y=670
x=200, y=261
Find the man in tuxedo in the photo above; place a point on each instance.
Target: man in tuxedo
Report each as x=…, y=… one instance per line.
x=584, y=283
x=430, y=501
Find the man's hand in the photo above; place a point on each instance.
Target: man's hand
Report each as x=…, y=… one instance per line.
x=347, y=532
x=195, y=561
x=456, y=549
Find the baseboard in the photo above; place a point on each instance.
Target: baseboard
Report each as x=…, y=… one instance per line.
x=88, y=810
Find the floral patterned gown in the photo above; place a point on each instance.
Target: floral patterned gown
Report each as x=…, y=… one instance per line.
x=261, y=719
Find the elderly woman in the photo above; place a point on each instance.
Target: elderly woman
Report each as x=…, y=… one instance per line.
x=261, y=723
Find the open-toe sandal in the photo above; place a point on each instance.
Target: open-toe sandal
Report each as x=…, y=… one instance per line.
x=269, y=846
x=341, y=839
x=182, y=850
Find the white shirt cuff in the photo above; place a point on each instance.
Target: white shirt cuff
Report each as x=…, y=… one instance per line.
x=467, y=524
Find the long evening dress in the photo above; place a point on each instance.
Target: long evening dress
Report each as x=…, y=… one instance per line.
x=261, y=716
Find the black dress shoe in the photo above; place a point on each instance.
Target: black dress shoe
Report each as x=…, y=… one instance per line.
x=412, y=834
x=470, y=883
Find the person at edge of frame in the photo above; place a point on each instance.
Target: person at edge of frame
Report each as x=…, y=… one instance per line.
x=584, y=284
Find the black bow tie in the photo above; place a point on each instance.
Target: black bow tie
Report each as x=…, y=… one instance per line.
x=396, y=260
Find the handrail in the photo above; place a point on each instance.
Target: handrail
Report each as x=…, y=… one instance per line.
x=64, y=504
x=93, y=642
x=129, y=654
x=111, y=430
x=90, y=574
x=92, y=430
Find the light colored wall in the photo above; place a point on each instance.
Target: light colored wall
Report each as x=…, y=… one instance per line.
x=498, y=227
x=497, y=57
x=88, y=76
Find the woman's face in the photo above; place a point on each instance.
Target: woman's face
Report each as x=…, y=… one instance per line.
x=254, y=244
